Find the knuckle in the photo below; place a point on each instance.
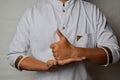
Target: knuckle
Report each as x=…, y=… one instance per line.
x=53, y=51
x=55, y=55
x=52, y=46
x=58, y=58
x=55, y=45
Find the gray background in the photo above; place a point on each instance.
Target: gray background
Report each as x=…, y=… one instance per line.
x=12, y=10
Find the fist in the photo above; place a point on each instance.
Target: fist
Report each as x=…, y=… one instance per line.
x=62, y=49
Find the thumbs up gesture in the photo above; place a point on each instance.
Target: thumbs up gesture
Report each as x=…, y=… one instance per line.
x=63, y=51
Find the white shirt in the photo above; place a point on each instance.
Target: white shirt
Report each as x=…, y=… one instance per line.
x=37, y=30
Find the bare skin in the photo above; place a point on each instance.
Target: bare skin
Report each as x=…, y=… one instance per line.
x=64, y=53
x=38, y=65
x=64, y=50
x=63, y=1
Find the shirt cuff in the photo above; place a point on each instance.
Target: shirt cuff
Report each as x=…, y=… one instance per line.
x=18, y=61
x=108, y=60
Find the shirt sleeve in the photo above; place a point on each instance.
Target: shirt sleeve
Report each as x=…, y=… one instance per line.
x=106, y=37
x=20, y=43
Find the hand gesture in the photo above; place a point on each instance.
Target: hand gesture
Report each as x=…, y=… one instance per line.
x=63, y=51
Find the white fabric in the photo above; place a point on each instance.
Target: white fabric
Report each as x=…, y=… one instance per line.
x=37, y=30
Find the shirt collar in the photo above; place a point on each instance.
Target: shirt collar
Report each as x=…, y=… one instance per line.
x=58, y=3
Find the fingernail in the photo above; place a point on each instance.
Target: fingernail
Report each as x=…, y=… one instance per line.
x=83, y=58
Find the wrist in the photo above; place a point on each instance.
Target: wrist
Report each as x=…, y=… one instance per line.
x=79, y=52
x=74, y=52
x=46, y=67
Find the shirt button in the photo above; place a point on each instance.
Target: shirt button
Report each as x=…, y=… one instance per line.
x=63, y=10
x=63, y=27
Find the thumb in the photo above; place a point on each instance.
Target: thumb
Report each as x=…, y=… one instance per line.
x=61, y=36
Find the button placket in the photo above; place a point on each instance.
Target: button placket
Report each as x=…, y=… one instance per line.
x=63, y=27
x=63, y=24
x=63, y=10
x=64, y=18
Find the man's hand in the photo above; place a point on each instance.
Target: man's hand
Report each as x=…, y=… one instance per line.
x=62, y=49
x=69, y=60
x=64, y=52
x=51, y=63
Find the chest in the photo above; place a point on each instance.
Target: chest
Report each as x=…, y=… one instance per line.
x=76, y=27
